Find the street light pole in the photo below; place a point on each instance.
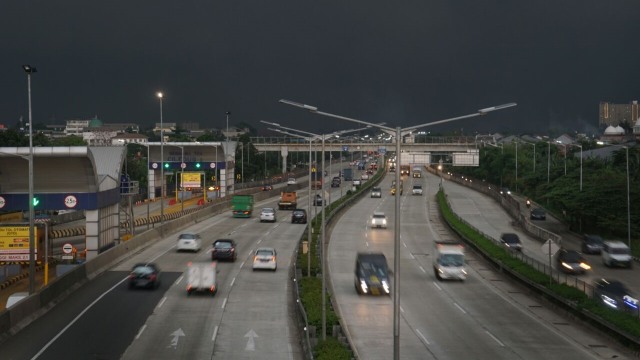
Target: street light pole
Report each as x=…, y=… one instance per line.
x=398, y=131
x=516, y=166
x=628, y=203
x=160, y=96
x=32, y=242
x=548, y=160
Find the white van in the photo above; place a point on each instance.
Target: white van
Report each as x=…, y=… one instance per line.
x=616, y=253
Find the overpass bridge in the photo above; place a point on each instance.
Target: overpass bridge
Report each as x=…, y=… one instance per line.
x=449, y=150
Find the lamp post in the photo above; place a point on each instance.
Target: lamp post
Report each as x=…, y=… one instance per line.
x=548, y=160
x=160, y=96
x=32, y=243
x=322, y=137
x=396, y=257
x=516, y=166
x=628, y=202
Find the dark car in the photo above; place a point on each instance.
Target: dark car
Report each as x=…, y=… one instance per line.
x=505, y=192
x=511, y=241
x=144, y=276
x=592, y=244
x=335, y=182
x=572, y=262
x=319, y=201
x=267, y=187
x=614, y=294
x=299, y=216
x=538, y=214
x=372, y=274
x=224, y=249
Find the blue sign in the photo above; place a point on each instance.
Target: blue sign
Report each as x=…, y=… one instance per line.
x=345, y=147
x=382, y=151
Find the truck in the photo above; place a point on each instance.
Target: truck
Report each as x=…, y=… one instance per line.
x=242, y=206
x=347, y=174
x=288, y=200
x=405, y=169
x=201, y=277
x=316, y=180
x=448, y=261
x=417, y=172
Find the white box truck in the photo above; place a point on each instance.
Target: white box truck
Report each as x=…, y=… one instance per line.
x=201, y=277
x=448, y=261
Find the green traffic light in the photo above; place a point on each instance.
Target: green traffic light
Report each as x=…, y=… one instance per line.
x=166, y=165
x=197, y=165
x=36, y=201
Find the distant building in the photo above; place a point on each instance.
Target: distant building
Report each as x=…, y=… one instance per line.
x=613, y=135
x=617, y=114
x=126, y=138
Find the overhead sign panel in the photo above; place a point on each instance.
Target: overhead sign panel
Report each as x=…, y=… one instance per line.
x=470, y=158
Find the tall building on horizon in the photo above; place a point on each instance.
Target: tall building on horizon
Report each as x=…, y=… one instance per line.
x=617, y=114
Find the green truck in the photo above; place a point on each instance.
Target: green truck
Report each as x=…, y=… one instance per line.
x=242, y=206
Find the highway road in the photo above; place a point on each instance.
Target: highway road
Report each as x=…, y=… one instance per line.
x=485, y=317
x=250, y=316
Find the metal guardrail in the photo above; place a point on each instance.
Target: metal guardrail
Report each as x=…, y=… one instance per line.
x=557, y=276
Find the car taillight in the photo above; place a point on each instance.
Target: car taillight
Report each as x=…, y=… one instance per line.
x=132, y=276
x=233, y=250
x=152, y=277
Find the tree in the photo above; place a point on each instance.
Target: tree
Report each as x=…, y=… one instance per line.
x=71, y=140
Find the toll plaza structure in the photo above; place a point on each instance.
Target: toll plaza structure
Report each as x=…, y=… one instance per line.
x=89, y=179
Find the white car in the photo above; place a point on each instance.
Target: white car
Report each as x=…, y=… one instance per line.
x=265, y=258
x=291, y=181
x=268, y=214
x=189, y=242
x=379, y=220
x=417, y=190
x=364, y=177
x=357, y=182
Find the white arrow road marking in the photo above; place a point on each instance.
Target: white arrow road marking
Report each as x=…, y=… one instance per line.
x=176, y=336
x=251, y=345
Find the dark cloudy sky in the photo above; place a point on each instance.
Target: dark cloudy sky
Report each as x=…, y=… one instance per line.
x=401, y=62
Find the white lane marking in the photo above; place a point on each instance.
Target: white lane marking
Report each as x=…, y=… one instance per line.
x=436, y=285
x=178, y=280
x=46, y=346
x=495, y=338
x=412, y=257
x=140, y=331
x=232, y=281
x=401, y=309
x=215, y=333
x=460, y=308
x=422, y=337
x=404, y=244
x=224, y=303
x=162, y=302
x=421, y=268
x=366, y=243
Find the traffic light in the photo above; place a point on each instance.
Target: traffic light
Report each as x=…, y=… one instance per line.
x=166, y=165
x=198, y=165
x=36, y=201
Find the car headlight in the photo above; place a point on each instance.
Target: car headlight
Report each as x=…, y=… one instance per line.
x=384, y=222
x=564, y=264
x=609, y=301
x=363, y=286
x=585, y=266
x=385, y=286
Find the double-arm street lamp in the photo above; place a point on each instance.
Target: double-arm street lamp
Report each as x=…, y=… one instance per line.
x=32, y=258
x=396, y=258
x=312, y=136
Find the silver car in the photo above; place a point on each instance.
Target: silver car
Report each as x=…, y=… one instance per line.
x=268, y=214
